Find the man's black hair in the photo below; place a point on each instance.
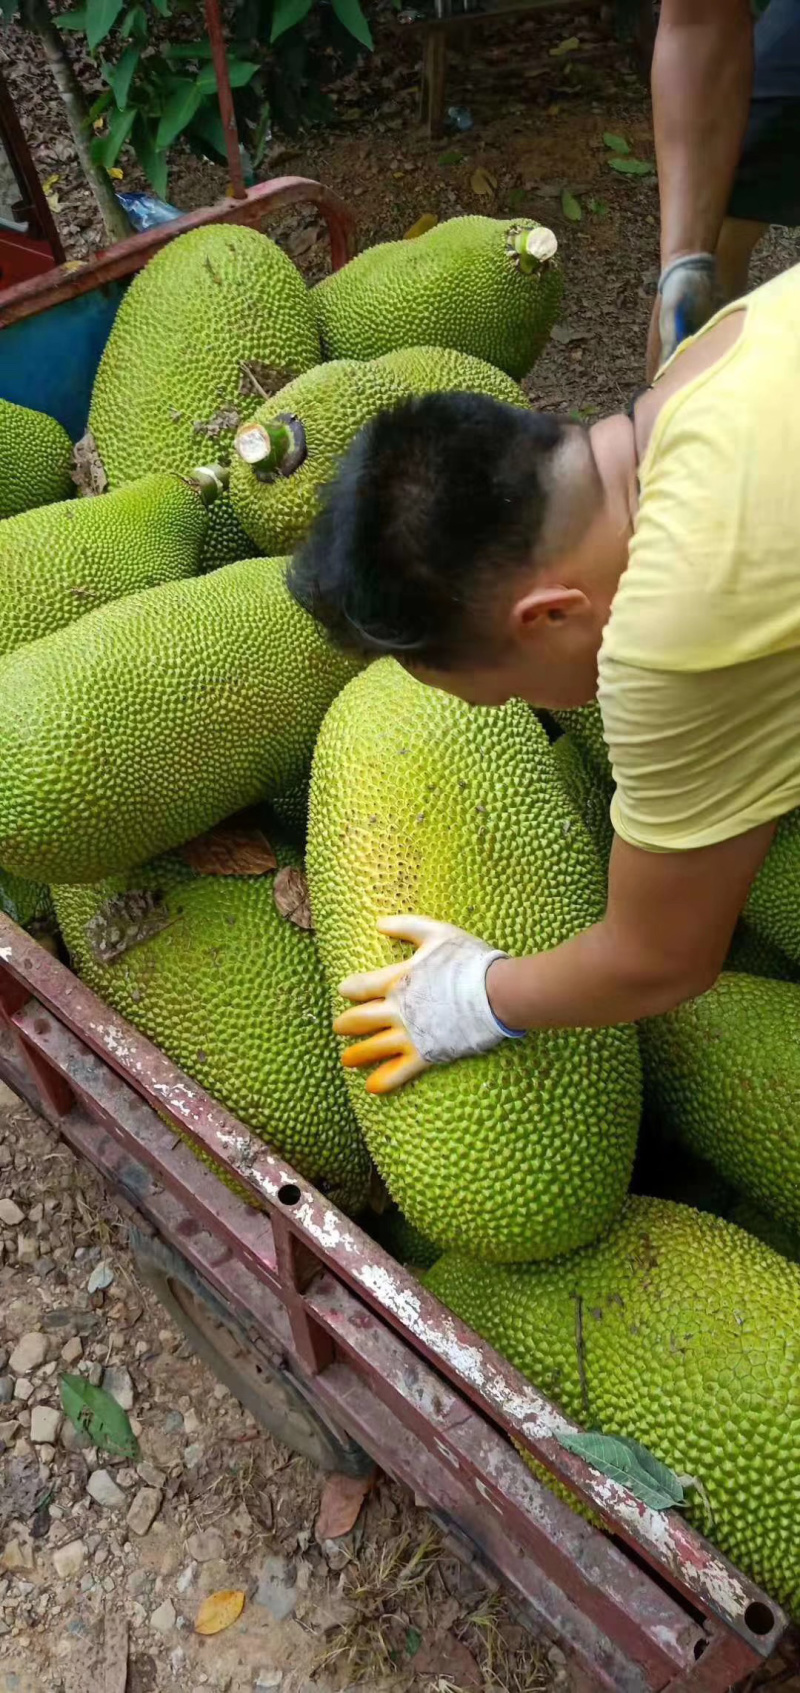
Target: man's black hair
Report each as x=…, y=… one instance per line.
x=431, y=500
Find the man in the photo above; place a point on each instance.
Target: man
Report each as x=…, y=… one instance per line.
x=653, y=558
x=726, y=115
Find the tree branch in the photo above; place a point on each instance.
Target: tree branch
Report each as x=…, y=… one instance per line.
x=36, y=17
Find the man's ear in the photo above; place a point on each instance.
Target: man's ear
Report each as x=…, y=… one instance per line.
x=551, y=603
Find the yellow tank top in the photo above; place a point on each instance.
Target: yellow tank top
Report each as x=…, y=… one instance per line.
x=699, y=670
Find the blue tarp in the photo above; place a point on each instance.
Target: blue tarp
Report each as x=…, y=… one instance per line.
x=49, y=361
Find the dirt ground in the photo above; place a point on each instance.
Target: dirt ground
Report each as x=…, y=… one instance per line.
x=104, y=1563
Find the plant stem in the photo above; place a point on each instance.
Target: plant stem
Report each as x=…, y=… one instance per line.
x=36, y=17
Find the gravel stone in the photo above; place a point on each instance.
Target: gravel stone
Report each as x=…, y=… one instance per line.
x=144, y=1510
x=103, y=1489
x=45, y=1424
x=117, y=1382
x=29, y=1353
x=68, y=1560
x=205, y=1544
x=10, y=1214
x=163, y=1619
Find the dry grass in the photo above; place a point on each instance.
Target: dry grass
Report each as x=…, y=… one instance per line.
x=406, y=1621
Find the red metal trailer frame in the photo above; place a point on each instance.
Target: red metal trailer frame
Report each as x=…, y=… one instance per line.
x=648, y=1606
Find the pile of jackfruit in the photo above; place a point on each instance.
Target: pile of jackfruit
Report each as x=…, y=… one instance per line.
x=205, y=807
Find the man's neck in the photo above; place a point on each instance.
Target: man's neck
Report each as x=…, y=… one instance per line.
x=605, y=548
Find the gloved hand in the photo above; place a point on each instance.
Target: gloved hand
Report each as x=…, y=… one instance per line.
x=426, y=1010
x=687, y=291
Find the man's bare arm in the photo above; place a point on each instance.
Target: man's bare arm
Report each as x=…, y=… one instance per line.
x=664, y=939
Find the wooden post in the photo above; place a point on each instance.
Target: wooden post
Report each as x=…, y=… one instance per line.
x=434, y=73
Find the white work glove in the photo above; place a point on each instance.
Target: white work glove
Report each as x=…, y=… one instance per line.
x=428, y=1009
x=687, y=291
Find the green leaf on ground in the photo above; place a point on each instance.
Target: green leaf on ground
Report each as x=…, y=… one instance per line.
x=571, y=207
x=94, y=1412
x=631, y=167
x=630, y=1464
x=569, y=46
x=452, y=157
x=616, y=143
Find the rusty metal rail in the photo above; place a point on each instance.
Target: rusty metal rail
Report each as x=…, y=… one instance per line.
x=376, y=1346
x=27, y=299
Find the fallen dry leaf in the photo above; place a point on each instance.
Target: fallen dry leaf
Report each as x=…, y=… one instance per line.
x=292, y=897
x=341, y=1502
x=449, y=1660
x=88, y=471
x=219, y=1610
x=428, y=221
x=236, y=847
x=482, y=182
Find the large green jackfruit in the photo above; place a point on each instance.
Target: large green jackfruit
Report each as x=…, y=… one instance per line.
x=217, y=318
x=723, y=1075
x=60, y=561
x=773, y=904
x=29, y=904
x=234, y=993
x=473, y=283
x=152, y=718
x=751, y=954
x=307, y=427
x=588, y=793
x=421, y=804
x=35, y=459
x=689, y=1343
x=585, y=724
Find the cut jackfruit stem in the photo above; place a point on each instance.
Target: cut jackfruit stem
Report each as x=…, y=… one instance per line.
x=533, y=248
x=210, y=480
x=273, y=448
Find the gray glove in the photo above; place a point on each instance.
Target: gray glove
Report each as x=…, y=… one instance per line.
x=688, y=296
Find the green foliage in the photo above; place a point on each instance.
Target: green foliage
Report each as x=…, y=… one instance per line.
x=159, y=92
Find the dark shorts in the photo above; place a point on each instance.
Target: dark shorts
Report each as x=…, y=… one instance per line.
x=767, y=184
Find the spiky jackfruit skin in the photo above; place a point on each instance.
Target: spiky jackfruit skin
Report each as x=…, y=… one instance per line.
x=752, y=955
x=29, y=904
x=691, y=1345
x=393, y=1231
x=226, y=541
x=585, y=724
x=722, y=1073
x=60, y=561
x=456, y=286
x=154, y=717
x=420, y=804
x=588, y=793
x=333, y=403
x=35, y=460
x=772, y=908
x=171, y=388
x=235, y=995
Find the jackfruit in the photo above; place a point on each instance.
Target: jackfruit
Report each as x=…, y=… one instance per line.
x=752, y=955
x=722, y=1073
x=60, y=561
x=235, y=995
x=689, y=1343
x=292, y=446
x=473, y=283
x=585, y=724
x=420, y=803
x=27, y=903
x=780, y=1236
x=772, y=908
x=35, y=459
x=152, y=718
x=393, y=1231
x=588, y=794
x=226, y=541
x=219, y=317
